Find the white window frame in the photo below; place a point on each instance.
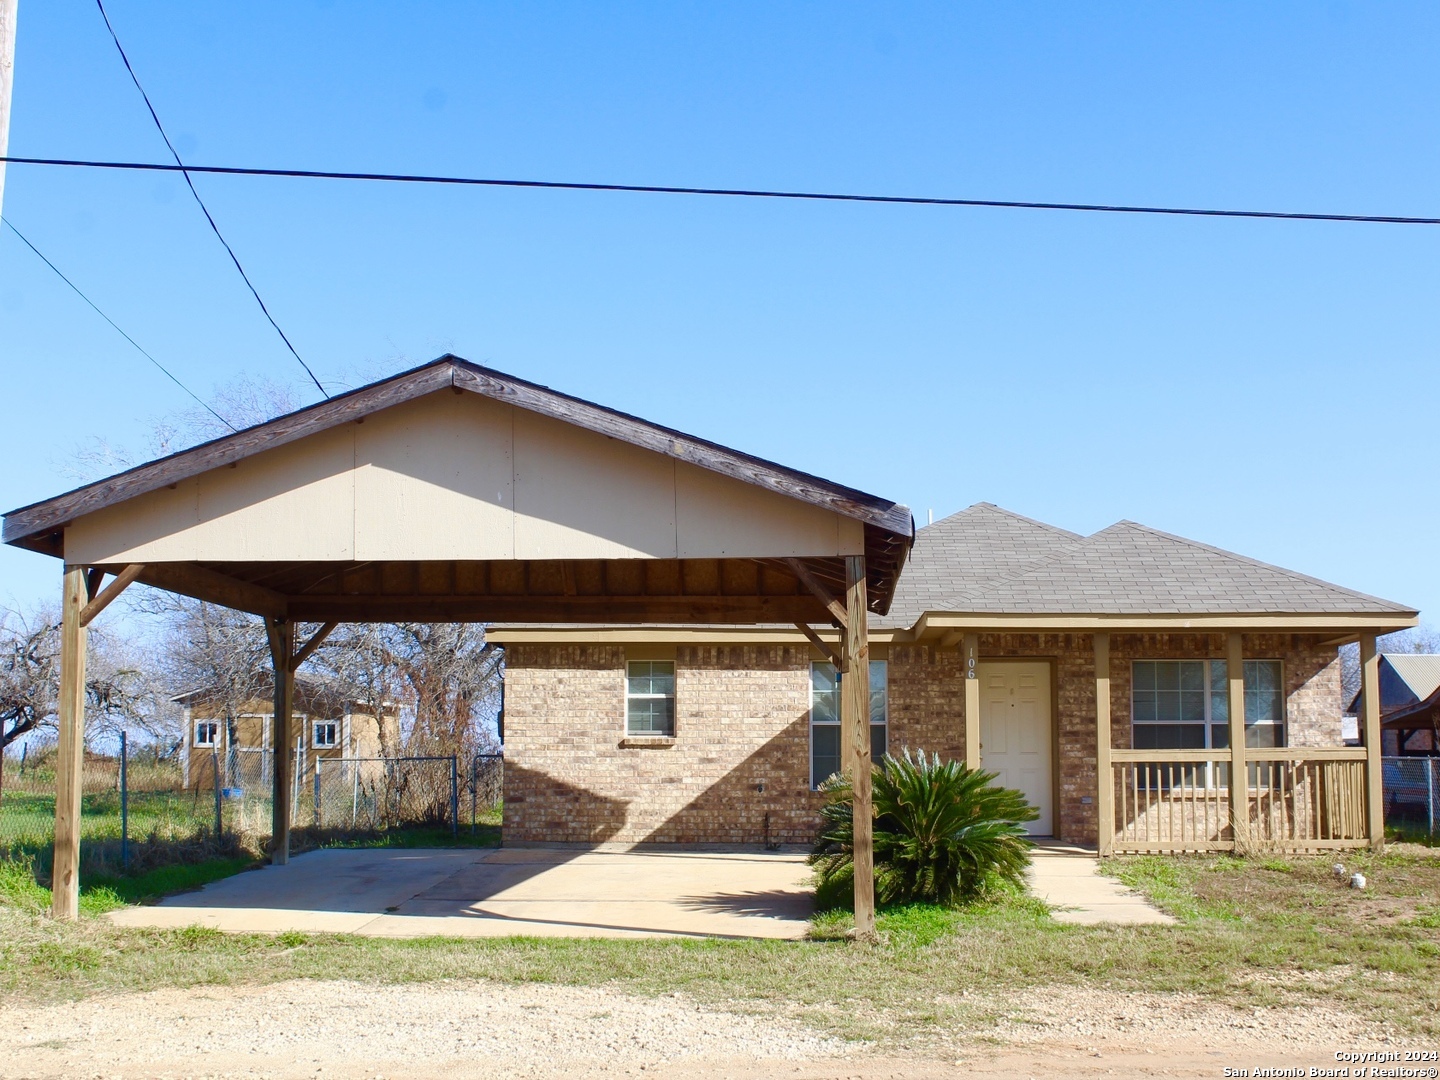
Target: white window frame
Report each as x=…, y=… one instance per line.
x=813, y=723
x=1206, y=682
x=630, y=732
x=214, y=739
x=315, y=726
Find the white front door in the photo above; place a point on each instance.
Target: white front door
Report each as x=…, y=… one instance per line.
x=1015, y=734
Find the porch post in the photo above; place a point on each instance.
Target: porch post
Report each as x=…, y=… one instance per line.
x=971, y=658
x=282, y=649
x=1104, y=772
x=1239, y=771
x=855, y=736
x=65, y=884
x=1374, y=782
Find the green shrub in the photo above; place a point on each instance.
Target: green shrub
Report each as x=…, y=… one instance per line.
x=942, y=832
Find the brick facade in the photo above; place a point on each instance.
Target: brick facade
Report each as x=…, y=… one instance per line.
x=737, y=771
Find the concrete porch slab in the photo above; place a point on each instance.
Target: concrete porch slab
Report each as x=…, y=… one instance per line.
x=1069, y=879
x=501, y=892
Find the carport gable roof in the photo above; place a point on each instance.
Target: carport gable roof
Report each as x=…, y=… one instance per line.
x=39, y=525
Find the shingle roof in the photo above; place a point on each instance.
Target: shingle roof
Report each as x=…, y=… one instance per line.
x=968, y=551
x=987, y=560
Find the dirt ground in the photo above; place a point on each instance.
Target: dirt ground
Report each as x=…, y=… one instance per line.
x=419, y=1032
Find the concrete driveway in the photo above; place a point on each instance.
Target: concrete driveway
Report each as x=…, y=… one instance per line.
x=496, y=892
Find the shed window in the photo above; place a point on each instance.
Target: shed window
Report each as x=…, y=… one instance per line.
x=325, y=733
x=650, y=698
x=1185, y=704
x=825, y=718
x=206, y=732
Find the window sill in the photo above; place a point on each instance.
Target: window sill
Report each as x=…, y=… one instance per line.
x=647, y=742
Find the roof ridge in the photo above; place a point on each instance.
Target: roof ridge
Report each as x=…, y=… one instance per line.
x=1030, y=567
x=1021, y=517
x=1246, y=559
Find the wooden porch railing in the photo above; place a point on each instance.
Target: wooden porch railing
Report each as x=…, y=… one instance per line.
x=1179, y=800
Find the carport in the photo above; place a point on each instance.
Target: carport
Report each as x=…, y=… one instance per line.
x=452, y=493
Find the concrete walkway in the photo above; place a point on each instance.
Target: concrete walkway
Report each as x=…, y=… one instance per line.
x=497, y=892
x=1069, y=880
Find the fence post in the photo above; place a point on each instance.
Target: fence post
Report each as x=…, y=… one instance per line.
x=317, y=791
x=1430, y=793
x=454, y=796
x=219, y=821
x=474, y=790
x=124, y=802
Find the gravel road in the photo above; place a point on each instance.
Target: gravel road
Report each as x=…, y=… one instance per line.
x=425, y=1031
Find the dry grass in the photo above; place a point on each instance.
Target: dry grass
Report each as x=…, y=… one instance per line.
x=1253, y=932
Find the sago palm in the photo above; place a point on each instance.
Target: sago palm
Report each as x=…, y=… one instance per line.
x=941, y=831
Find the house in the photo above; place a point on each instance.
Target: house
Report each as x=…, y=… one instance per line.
x=659, y=596
x=1409, y=704
x=1011, y=644
x=239, y=742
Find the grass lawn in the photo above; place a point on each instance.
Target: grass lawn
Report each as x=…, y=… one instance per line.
x=1252, y=932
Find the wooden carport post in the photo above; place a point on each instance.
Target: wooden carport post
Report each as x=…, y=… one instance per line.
x=282, y=649
x=855, y=733
x=1370, y=722
x=65, y=871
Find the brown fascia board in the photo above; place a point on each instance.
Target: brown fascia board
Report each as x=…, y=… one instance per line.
x=31, y=526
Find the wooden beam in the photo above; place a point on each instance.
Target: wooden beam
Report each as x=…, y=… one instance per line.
x=316, y=640
x=970, y=657
x=817, y=589
x=191, y=579
x=282, y=649
x=1370, y=722
x=1239, y=768
x=65, y=883
x=1104, y=770
x=836, y=656
x=103, y=598
x=855, y=739
x=515, y=608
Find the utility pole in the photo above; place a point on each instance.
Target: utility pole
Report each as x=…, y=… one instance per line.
x=8, y=11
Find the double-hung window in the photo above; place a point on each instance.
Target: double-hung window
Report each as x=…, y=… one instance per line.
x=650, y=698
x=825, y=750
x=1185, y=704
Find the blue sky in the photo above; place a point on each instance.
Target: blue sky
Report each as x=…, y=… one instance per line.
x=1269, y=387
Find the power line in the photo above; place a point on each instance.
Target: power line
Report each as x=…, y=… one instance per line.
x=749, y=193
x=166, y=371
x=180, y=165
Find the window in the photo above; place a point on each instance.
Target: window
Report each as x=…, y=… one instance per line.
x=825, y=718
x=1185, y=704
x=325, y=732
x=650, y=698
x=206, y=732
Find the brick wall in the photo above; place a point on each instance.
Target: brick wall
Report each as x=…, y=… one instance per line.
x=742, y=716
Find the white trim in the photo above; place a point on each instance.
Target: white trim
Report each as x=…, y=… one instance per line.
x=812, y=723
x=670, y=697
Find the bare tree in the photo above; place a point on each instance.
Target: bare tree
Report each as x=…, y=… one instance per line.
x=433, y=686
x=121, y=691
x=1424, y=638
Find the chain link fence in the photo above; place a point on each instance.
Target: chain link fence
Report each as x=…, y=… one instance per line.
x=139, y=797
x=1412, y=793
